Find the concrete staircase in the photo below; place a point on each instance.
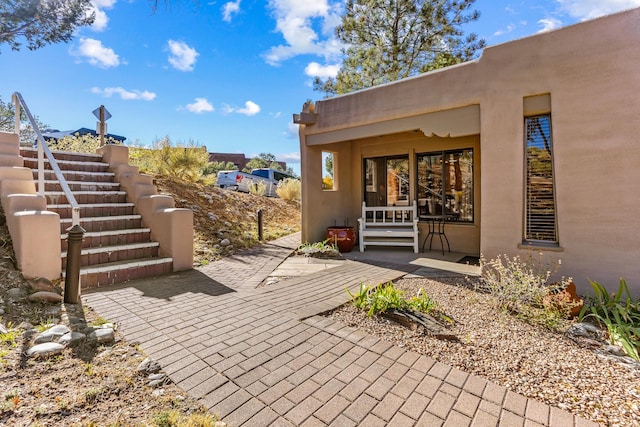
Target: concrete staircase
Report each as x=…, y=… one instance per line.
x=117, y=247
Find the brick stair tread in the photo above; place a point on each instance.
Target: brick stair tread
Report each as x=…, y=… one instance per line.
x=64, y=153
x=115, y=248
x=83, y=192
x=103, y=218
x=78, y=163
x=92, y=205
x=111, y=232
x=119, y=265
x=88, y=183
x=70, y=171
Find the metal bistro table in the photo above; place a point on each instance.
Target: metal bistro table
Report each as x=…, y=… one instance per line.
x=436, y=227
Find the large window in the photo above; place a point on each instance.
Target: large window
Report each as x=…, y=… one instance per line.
x=386, y=181
x=445, y=185
x=540, y=206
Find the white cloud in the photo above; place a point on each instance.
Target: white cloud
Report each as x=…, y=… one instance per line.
x=96, y=54
x=250, y=109
x=101, y=20
x=549, y=24
x=182, y=57
x=201, y=105
x=323, y=71
x=297, y=21
x=127, y=95
x=507, y=30
x=589, y=9
x=229, y=9
x=292, y=131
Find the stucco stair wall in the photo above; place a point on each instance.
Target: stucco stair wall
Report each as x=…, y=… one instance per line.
x=117, y=245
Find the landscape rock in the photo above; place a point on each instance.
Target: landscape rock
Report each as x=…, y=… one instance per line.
x=16, y=293
x=43, y=296
x=614, y=349
x=3, y=329
x=25, y=325
x=156, y=380
x=72, y=339
x=103, y=335
x=225, y=242
x=51, y=334
x=46, y=349
x=149, y=366
x=584, y=330
x=41, y=284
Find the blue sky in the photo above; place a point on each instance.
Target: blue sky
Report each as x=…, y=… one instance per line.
x=224, y=74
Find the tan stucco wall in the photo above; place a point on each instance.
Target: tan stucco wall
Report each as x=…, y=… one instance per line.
x=590, y=71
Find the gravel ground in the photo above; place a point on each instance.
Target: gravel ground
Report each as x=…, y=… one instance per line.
x=527, y=359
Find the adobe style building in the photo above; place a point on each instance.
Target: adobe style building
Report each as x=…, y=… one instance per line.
x=533, y=146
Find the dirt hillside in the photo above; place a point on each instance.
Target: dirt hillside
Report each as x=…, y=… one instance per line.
x=223, y=214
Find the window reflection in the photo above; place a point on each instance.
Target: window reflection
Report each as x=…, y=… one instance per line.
x=386, y=181
x=445, y=185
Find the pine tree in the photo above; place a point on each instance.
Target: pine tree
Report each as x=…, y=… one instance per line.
x=388, y=40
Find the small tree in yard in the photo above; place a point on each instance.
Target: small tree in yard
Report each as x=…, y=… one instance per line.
x=266, y=160
x=7, y=122
x=214, y=167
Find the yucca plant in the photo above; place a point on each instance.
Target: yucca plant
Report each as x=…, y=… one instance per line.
x=619, y=313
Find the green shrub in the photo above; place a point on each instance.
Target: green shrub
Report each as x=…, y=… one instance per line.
x=182, y=162
x=520, y=285
x=289, y=189
x=79, y=144
x=378, y=299
x=619, y=313
x=318, y=249
x=258, y=188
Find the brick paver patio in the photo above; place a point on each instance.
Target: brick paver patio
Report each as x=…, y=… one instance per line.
x=264, y=357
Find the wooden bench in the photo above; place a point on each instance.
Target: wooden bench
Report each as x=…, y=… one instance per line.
x=388, y=226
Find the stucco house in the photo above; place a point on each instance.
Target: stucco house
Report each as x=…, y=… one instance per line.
x=533, y=146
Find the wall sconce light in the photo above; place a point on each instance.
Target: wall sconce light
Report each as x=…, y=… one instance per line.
x=305, y=118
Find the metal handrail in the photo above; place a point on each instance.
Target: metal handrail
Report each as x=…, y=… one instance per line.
x=43, y=149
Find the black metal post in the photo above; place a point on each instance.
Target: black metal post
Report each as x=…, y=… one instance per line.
x=72, y=273
x=260, y=225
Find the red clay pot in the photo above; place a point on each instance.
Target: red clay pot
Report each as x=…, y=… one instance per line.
x=343, y=237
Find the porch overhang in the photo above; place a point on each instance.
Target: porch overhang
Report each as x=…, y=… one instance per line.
x=452, y=123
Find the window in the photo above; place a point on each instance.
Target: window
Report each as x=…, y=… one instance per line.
x=386, y=181
x=279, y=176
x=328, y=168
x=445, y=184
x=540, y=206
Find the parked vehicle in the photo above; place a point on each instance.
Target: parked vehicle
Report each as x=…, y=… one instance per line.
x=242, y=181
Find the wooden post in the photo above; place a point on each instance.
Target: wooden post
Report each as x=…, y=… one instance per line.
x=101, y=125
x=260, y=225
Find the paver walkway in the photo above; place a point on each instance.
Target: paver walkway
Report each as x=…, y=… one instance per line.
x=263, y=356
